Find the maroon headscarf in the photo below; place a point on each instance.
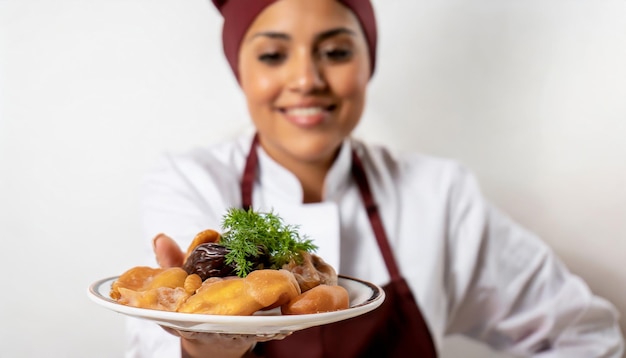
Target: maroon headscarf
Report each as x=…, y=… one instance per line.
x=239, y=15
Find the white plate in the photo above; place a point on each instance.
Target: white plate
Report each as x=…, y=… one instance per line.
x=364, y=297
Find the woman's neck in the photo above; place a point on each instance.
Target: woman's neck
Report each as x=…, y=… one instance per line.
x=311, y=174
x=312, y=186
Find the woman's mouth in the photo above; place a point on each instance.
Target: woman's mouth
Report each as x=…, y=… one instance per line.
x=309, y=116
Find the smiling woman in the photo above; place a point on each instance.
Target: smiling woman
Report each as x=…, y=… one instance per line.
x=304, y=69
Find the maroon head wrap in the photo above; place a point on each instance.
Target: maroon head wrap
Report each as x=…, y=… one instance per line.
x=239, y=15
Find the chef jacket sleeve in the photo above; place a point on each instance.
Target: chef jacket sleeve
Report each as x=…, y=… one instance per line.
x=173, y=201
x=508, y=288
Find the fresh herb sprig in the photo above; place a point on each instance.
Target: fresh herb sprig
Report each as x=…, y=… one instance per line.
x=248, y=233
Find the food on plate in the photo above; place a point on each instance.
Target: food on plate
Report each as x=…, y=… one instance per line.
x=208, y=260
x=203, y=237
x=321, y=298
x=162, y=289
x=257, y=263
x=250, y=235
x=312, y=271
x=261, y=289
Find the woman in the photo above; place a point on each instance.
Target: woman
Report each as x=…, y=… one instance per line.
x=449, y=262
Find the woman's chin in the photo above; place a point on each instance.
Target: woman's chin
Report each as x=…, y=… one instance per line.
x=315, y=151
x=312, y=147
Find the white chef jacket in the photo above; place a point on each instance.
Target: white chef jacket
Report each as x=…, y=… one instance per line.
x=472, y=270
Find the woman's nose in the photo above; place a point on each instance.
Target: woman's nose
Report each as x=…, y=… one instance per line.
x=306, y=75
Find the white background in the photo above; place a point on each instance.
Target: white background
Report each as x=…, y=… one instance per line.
x=529, y=94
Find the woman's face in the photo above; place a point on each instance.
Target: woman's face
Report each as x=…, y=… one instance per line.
x=304, y=68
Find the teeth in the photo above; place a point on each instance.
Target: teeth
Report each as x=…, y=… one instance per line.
x=303, y=112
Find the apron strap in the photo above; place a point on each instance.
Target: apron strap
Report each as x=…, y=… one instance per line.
x=358, y=173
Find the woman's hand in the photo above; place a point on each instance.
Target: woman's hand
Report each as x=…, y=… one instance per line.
x=199, y=344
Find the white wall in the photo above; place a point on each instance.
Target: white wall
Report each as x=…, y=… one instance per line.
x=529, y=94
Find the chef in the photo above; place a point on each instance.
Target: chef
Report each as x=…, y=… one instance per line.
x=448, y=260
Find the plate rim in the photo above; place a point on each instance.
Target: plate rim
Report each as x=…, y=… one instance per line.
x=164, y=317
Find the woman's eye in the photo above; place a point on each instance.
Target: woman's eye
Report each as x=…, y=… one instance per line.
x=272, y=58
x=336, y=55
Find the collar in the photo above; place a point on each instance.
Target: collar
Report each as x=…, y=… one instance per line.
x=278, y=182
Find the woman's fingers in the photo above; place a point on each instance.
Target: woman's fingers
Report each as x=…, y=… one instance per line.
x=167, y=251
x=226, y=338
x=205, y=344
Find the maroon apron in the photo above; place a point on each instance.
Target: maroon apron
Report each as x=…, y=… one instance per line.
x=395, y=329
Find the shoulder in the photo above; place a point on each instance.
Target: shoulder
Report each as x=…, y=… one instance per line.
x=203, y=177
x=185, y=193
x=223, y=160
x=411, y=167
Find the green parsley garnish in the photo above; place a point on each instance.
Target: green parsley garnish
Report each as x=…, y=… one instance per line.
x=248, y=234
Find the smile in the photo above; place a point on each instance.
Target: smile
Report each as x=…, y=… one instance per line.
x=307, y=111
x=307, y=116
x=304, y=112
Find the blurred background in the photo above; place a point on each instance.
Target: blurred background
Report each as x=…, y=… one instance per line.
x=531, y=95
